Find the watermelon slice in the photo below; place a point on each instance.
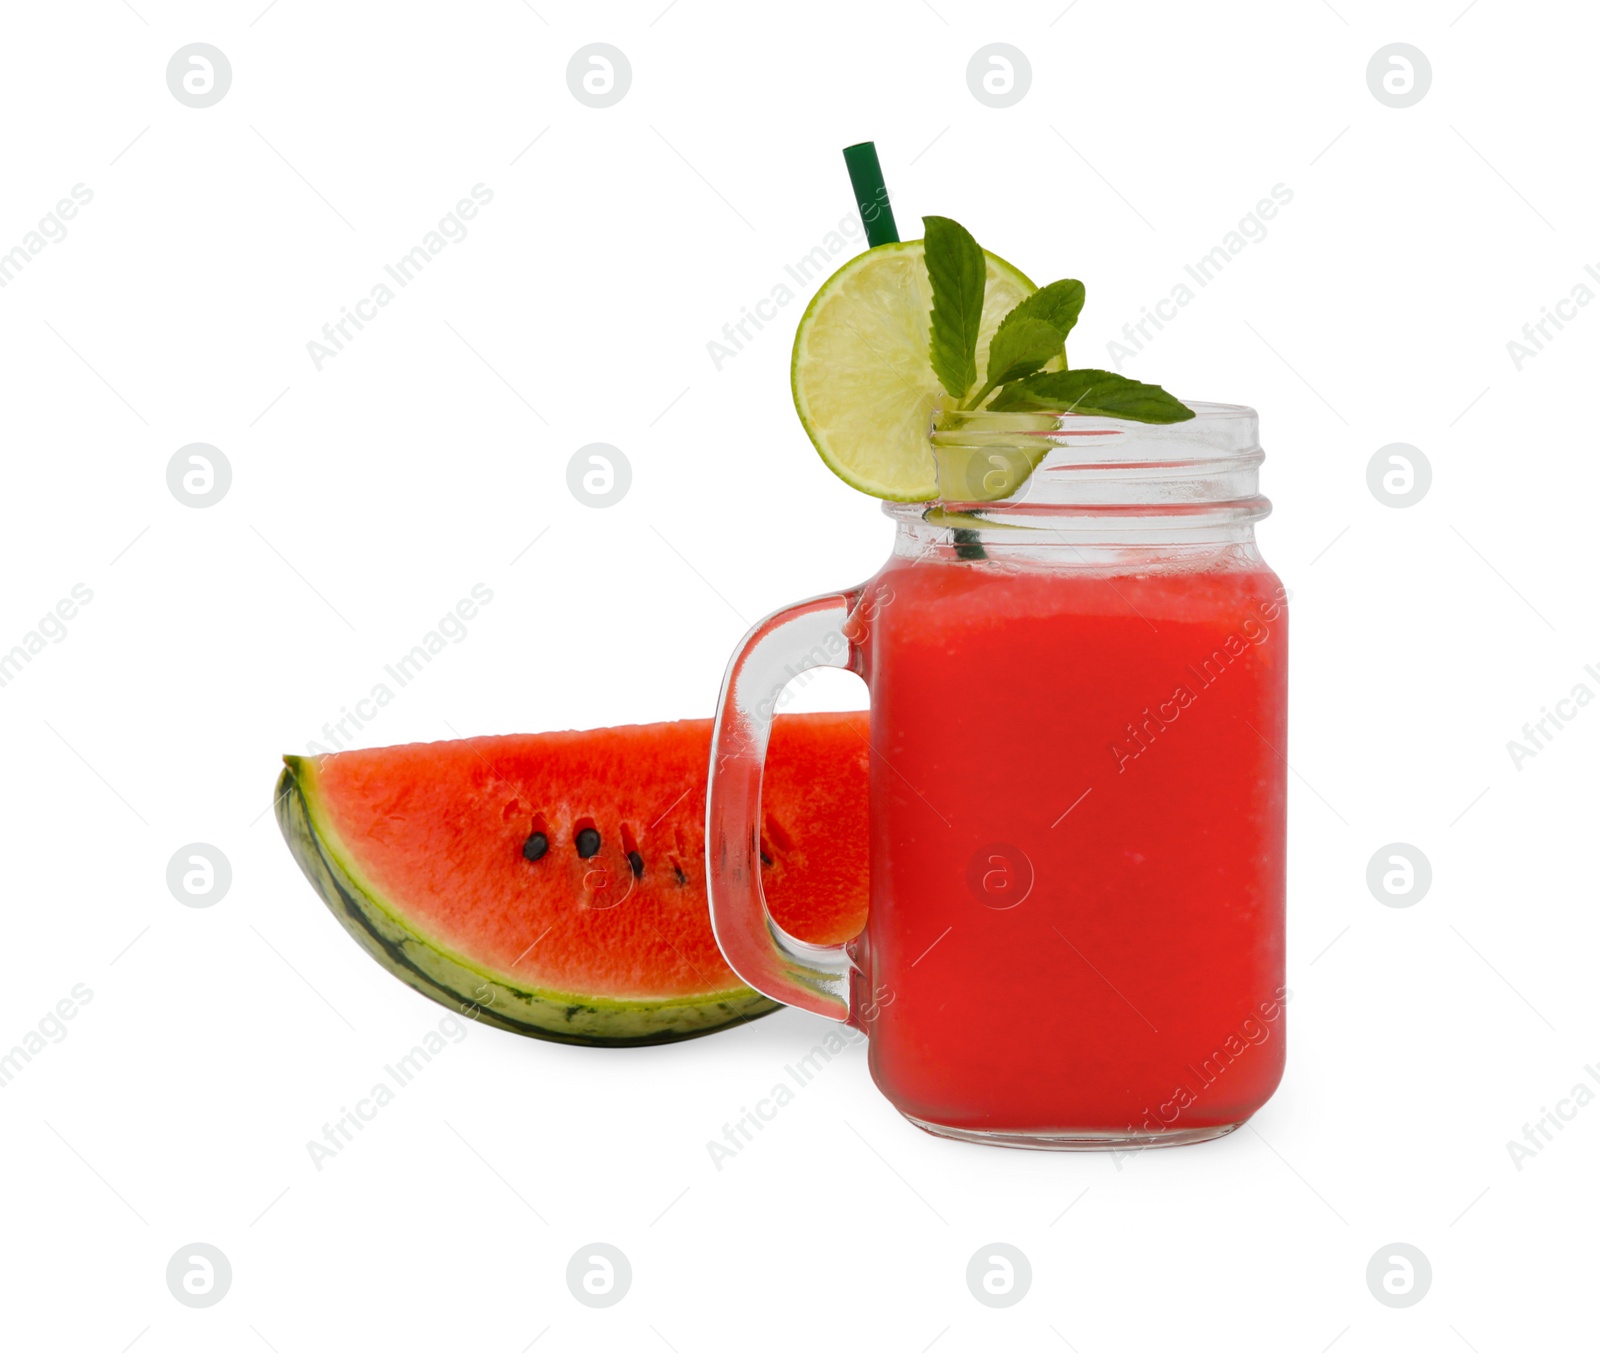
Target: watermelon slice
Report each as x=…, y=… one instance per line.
x=554, y=884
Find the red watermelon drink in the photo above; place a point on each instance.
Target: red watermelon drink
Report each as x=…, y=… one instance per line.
x=1077, y=802
x=1077, y=665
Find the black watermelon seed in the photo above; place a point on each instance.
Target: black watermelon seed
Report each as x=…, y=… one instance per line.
x=765, y=858
x=588, y=843
x=535, y=846
x=636, y=863
x=678, y=870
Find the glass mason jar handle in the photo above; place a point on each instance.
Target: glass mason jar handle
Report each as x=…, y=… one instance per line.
x=811, y=634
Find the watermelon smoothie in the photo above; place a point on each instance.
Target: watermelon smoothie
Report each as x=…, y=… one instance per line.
x=1077, y=813
x=1077, y=662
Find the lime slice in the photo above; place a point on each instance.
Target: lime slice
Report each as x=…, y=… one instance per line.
x=863, y=385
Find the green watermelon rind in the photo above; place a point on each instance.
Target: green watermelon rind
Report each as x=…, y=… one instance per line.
x=467, y=987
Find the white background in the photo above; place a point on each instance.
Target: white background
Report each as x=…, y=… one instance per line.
x=369, y=496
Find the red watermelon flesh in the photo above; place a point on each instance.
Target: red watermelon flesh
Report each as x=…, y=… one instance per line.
x=422, y=851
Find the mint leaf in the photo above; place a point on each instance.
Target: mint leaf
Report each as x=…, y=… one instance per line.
x=1019, y=348
x=956, y=272
x=1017, y=342
x=1057, y=305
x=1103, y=393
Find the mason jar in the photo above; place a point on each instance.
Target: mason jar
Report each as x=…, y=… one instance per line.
x=1077, y=667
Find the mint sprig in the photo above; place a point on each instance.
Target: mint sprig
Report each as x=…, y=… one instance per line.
x=1027, y=340
x=956, y=272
